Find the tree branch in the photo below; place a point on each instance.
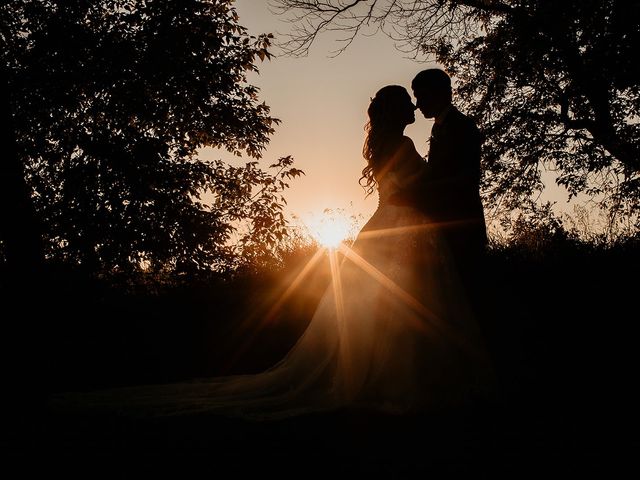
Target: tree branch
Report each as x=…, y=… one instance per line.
x=421, y=20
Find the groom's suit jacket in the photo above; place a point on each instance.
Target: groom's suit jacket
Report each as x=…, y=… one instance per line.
x=450, y=192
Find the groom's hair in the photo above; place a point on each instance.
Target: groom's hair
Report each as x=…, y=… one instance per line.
x=432, y=78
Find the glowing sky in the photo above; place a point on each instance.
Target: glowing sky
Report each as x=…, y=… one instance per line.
x=321, y=100
x=322, y=103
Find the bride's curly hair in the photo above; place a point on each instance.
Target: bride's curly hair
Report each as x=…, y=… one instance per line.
x=382, y=133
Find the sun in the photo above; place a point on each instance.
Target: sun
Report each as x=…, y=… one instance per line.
x=329, y=229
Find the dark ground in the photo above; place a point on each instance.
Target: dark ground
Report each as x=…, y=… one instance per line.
x=528, y=443
x=563, y=330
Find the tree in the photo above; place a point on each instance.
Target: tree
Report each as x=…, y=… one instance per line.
x=110, y=102
x=554, y=85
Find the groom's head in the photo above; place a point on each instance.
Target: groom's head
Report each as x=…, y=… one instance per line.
x=432, y=90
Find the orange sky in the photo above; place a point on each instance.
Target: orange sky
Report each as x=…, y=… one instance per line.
x=322, y=103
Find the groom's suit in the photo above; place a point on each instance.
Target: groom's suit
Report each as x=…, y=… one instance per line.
x=450, y=192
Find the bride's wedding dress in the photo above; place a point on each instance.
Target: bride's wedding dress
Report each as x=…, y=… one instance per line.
x=391, y=333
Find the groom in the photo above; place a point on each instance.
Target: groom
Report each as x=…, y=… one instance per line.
x=450, y=191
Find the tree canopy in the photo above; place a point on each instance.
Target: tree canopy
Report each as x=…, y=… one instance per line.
x=109, y=103
x=553, y=85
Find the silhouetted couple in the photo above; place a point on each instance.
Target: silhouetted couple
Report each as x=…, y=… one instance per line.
x=395, y=331
x=446, y=188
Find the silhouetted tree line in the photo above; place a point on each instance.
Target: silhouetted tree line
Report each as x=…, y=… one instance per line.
x=106, y=105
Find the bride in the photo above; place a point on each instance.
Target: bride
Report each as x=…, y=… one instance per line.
x=391, y=333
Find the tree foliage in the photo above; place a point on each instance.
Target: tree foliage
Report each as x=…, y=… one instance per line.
x=110, y=103
x=554, y=85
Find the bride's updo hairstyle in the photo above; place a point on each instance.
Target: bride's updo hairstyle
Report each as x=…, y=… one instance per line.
x=383, y=132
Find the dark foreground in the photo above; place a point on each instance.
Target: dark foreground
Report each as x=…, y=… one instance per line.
x=535, y=440
x=562, y=330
